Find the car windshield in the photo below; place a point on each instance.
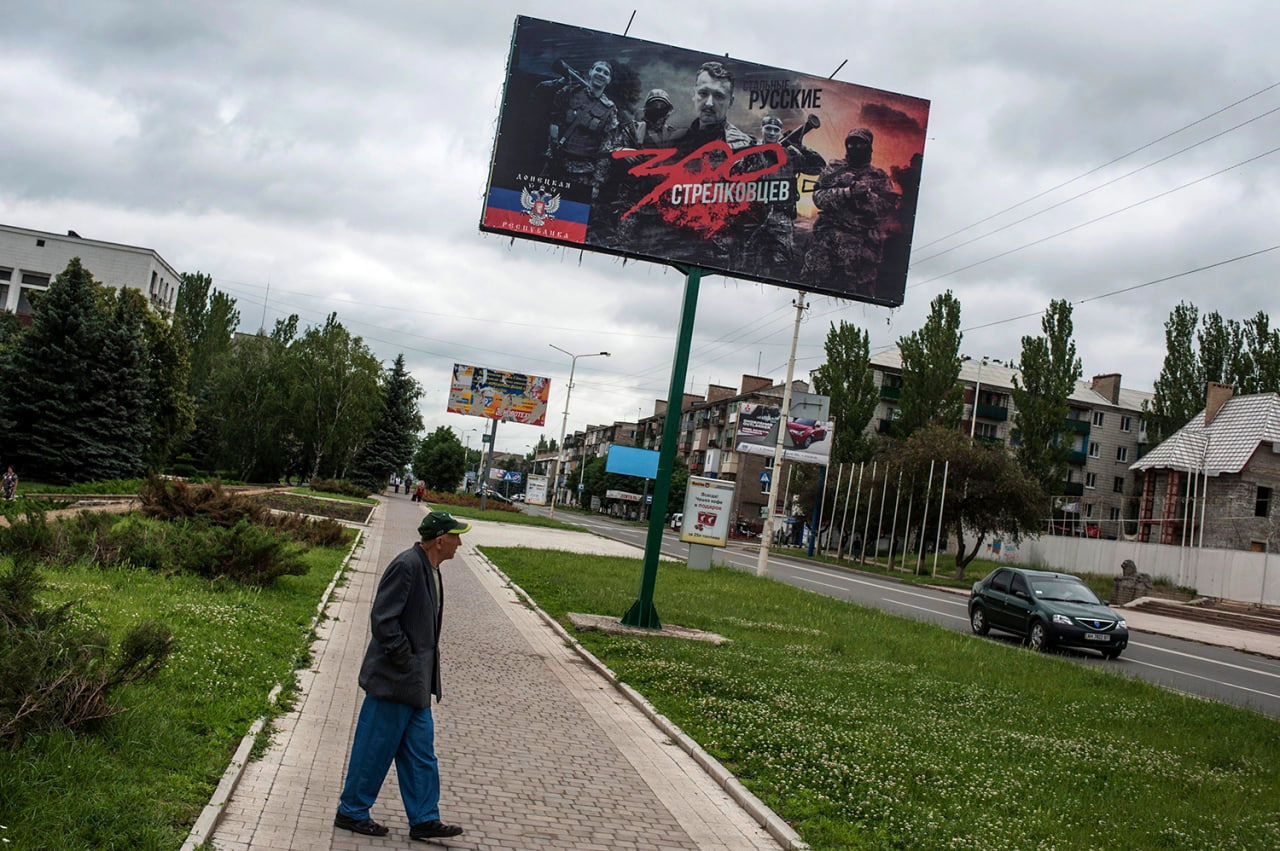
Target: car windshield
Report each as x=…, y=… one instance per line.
x=1065, y=590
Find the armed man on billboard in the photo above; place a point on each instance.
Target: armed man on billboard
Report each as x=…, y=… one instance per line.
x=583, y=125
x=855, y=202
x=621, y=191
x=769, y=246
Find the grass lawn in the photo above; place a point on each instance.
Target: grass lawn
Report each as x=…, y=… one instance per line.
x=866, y=730
x=142, y=778
x=519, y=518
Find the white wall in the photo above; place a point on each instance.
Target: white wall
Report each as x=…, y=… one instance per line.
x=1228, y=574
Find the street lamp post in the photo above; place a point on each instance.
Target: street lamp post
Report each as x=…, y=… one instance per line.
x=466, y=453
x=564, y=422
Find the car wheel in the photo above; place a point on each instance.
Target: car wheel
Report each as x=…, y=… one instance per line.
x=978, y=621
x=807, y=442
x=1038, y=636
x=1111, y=654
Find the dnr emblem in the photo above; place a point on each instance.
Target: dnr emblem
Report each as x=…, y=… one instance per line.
x=539, y=206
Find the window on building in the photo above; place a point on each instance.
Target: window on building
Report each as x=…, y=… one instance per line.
x=988, y=430
x=1088, y=509
x=4, y=296
x=1097, y=418
x=34, y=279
x=1122, y=453
x=1094, y=449
x=1262, y=508
x=1113, y=514
x=24, y=303
x=6, y=274
x=1118, y=487
x=1126, y=423
x=1091, y=480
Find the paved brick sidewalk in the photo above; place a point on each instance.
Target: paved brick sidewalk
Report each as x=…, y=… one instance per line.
x=536, y=750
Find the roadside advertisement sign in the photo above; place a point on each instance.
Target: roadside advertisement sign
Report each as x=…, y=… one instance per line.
x=535, y=492
x=808, y=440
x=505, y=475
x=498, y=395
x=625, y=496
x=706, y=511
x=645, y=150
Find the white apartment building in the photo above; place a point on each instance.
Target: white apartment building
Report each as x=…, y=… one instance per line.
x=31, y=259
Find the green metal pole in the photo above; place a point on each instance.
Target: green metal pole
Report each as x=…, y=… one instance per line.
x=642, y=613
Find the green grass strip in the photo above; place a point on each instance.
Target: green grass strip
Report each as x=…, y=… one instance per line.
x=867, y=730
x=517, y=518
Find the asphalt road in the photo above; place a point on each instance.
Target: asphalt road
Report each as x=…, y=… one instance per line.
x=1203, y=670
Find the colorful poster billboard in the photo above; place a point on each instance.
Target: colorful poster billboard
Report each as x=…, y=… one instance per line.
x=644, y=150
x=535, y=492
x=706, y=511
x=499, y=395
x=807, y=441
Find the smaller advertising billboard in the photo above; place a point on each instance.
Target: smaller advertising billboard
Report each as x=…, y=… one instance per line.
x=535, y=493
x=807, y=441
x=625, y=496
x=630, y=461
x=706, y=511
x=496, y=394
x=505, y=475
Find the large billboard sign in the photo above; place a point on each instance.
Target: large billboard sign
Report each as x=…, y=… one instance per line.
x=807, y=440
x=498, y=395
x=643, y=150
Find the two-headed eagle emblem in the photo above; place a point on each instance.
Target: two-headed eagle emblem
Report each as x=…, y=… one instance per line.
x=539, y=206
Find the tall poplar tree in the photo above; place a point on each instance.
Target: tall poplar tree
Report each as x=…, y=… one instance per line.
x=1049, y=371
x=931, y=393
x=846, y=378
x=1179, y=390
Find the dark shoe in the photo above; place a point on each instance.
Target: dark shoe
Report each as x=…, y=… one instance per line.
x=434, y=829
x=368, y=826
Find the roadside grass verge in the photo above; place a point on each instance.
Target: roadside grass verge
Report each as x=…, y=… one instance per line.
x=866, y=730
x=141, y=779
x=518, y=518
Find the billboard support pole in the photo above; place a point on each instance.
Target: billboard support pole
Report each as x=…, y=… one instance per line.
x=766, y=534
x=488, y=459
x=642, y=612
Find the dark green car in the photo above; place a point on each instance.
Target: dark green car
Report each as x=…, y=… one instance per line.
x=1047, y=609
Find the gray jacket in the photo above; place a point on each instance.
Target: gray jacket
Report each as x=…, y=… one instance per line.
x=402, y=663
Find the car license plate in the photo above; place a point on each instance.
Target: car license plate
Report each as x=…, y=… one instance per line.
x=1096, y=636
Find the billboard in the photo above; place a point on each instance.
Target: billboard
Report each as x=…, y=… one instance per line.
x=630, y=461
x=643, y=150
x=807, y=441
x=536, y=491
x=706, y=511
x=498, y=395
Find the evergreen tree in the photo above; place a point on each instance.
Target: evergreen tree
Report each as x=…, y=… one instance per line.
x=846, y=378
x=1049, y=370
x=438, y=460
x=389, y=446
x=931, y=393
x=1179, y=390
x=170, y=404
x=47, y=390
x=119, y=409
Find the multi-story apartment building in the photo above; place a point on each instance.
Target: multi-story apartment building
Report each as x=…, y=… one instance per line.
x=31, y=259
x=1100, y=496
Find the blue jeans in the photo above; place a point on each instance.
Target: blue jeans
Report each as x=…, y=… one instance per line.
x=387, y=731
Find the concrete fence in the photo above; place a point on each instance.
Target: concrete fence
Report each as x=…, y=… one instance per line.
x=1245, y=577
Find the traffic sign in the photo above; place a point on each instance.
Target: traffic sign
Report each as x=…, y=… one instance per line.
x=765, y=477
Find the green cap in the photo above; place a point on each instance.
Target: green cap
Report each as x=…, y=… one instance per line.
x=439, y=523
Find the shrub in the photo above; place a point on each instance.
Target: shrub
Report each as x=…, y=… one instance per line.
x=56, y=671
x=340, y=486
x=28, y=536
x=257, y=556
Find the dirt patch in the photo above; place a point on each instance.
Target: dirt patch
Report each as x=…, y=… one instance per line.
x=350, y=512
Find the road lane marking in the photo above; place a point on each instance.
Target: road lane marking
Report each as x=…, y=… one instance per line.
x=1206, y=679
x=883, y=586
x=1205, y=659
x=931, y=611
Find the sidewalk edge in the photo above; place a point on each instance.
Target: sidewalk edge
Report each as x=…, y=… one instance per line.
x=757, y=809
x=207, y=822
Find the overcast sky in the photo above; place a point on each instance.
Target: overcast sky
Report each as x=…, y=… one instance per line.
x=335, y=155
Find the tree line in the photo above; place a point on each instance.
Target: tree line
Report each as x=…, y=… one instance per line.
x=103, y=386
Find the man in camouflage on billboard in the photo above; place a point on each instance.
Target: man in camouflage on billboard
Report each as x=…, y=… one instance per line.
x=620, y=192
x=584, y=123
x=855, y=202
x=769, y=247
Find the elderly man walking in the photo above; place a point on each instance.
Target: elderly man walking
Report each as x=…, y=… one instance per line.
x=400, y=673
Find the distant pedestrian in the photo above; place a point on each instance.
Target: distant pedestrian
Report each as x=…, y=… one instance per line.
x=420, y=493
x=401, y=671
x=10, y=483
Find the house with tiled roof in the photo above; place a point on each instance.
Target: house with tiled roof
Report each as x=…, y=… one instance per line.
x=1212, y=483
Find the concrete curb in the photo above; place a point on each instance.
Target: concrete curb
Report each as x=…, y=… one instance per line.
x=211, y=815
x=757, y=809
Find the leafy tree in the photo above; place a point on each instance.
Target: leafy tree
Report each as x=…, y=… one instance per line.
x=438, y=460
x=48, y=407
x=1221, y=349
x=389, y=446
x=1261, y=356
x=846, y=378
x=170, y=403
x=1179, y=390
x=1049, y=370
x=987, y=492
x=931, y=393
x=10, y=328
x=254, y=377
x=335, y=395
x=206, y=319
